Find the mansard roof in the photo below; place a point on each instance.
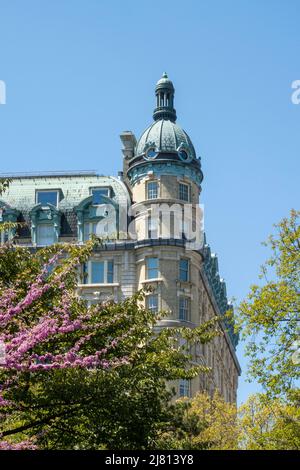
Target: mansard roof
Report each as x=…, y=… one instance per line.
x=73, y=188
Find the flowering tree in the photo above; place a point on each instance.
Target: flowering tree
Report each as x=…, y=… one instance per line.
x=79, y=376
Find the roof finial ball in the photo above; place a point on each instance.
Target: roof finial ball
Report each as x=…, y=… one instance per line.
x=164, y=92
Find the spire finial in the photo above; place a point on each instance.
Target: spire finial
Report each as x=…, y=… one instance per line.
x=164, y=92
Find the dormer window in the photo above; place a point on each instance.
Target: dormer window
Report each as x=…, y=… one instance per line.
x=97, y=214
x=45, y=235
x=45, y=197
x=45, y=223
x=97, y=194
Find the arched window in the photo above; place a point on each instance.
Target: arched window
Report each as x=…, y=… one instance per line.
x=99, y=219
x=45, y=224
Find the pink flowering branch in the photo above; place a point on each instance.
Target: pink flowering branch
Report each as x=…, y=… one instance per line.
x=24, y=445
x=47, y=326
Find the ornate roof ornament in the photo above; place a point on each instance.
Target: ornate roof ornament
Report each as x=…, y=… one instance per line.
x=164, y=92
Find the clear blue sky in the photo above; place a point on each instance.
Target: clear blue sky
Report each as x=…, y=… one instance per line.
x=80, y=72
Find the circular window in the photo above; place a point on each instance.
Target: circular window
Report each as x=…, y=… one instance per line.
x=183, y=155
x=151, y=153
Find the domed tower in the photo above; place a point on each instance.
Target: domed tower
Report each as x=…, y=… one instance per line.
x=165, y=149
x=164, y=167
x=164, y=175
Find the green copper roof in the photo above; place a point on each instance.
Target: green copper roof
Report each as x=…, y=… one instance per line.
x=21, y=193
x=166, y=136
x=164, y=81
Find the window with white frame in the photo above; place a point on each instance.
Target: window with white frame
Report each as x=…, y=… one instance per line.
x=98, y=272
x=152, y=268
x=184, y=308
x=97, y=193
x=152, y=190
x=45, y=235
x=184, y=192
x=45, y=197
x=152, y=303
x=184, y=268
x=184, y=388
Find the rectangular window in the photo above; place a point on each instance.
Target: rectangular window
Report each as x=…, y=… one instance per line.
x=152, y=303
x=184, y=270
x=184, y=308
x=184, y=192
x=90, y=228
x=152, y=224
x=152, y=268
x=45, y=234
x=152, y=190
x=98, y=192
x=185, y=229
x=97, y=272
x=99, y=228
x=85, y=273
x=101, y=272
x=110, y=272
x=184, y=388
x=47, y=197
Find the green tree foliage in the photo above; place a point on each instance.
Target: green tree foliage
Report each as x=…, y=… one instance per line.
x=78, y=376
x=209, y=423
x=270, y=317
x=270, y=424
x=202, y=423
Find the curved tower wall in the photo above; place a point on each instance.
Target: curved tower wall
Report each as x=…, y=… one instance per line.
x=167, y=167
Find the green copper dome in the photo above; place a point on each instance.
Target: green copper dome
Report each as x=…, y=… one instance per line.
x=164, y=80
x=165, y=136
x=164, y=147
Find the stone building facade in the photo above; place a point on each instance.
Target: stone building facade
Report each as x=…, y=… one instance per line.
x=149, y=239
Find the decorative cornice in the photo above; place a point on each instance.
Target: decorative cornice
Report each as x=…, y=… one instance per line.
x=138, y=172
